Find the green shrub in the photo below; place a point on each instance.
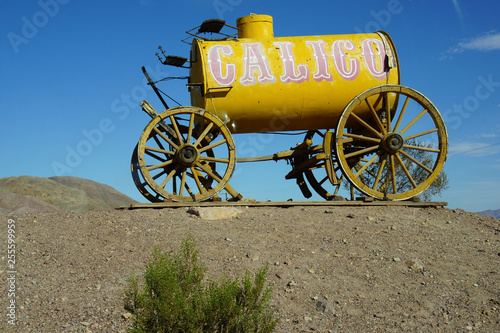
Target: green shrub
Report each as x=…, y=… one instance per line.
x=173, y=298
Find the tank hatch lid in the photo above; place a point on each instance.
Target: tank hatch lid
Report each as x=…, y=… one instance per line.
x=211, y=30
x=212, y=25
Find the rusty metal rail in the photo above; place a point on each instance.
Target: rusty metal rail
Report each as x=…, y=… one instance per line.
x=160, y=205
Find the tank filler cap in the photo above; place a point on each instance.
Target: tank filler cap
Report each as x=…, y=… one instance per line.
x=255, y=26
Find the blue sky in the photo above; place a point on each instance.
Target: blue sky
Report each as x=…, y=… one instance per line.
x=71, y=82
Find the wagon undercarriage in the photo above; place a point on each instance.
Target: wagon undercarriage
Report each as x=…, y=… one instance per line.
x=188, y=154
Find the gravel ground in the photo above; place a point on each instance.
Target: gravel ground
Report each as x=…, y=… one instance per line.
x=338, y=269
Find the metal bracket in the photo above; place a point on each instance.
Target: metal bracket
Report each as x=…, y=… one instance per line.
x=391, y=60
x=327, y=147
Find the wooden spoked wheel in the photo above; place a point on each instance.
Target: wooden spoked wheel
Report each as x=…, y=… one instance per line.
x=316, y=174
x=391, y=142
x=186, y=154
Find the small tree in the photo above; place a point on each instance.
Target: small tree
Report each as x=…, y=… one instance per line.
x=437, y=187
x=173, y=299
x=419, y=174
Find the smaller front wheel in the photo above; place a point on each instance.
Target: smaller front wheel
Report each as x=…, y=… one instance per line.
x=186, y=154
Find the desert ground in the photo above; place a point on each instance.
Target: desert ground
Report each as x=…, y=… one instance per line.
x=333, y=269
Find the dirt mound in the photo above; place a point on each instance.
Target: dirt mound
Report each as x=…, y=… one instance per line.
x=66, y=193
x=334, y=269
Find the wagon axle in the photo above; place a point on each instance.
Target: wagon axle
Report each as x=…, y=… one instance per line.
x=392, y=142
x=187, y=155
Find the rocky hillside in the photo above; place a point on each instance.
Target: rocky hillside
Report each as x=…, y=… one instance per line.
x=26, y=194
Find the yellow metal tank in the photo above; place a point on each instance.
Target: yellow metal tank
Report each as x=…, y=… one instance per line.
x=262, y=83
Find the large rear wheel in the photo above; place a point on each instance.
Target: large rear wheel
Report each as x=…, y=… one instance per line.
x=391, y=142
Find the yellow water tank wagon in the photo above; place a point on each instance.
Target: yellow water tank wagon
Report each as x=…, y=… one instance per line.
x=261, y=83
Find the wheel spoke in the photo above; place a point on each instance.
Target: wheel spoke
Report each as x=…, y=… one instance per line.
x=158, y=142
x=323, y=180
x=367, y=164
x=154, y=156
x=368, y=127
x=413, y=122
x=170, y=175
x=376, y=117
x=166, y=138
x=161, y=165
x=362, y=151
x=344, y=141
x=190, y=128
x=202, y=136
x=338, y=186
x=422, y=148
x=405, y=170
x=176, y=129
x=379, y=173
x=197, y=180
x=361, y=137
x=163, y=151
x=401, y=114
x=174, y=184
x=408, y=156
x=191, y=194
x=420, y=134
x=211, y=146
x=183, y=183
x=208, y=171
x=387, y=112
x=318, y=165
x=159, y=175
x=393, y=175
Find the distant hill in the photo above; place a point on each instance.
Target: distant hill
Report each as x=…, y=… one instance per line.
x=492, y=213
x=33, y=194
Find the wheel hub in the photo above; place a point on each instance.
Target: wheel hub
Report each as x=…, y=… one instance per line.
x=187, y=155
x=392, y=142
